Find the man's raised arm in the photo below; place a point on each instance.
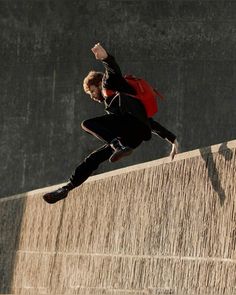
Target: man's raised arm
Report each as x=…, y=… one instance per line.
x=108, y=61
x=113, y=78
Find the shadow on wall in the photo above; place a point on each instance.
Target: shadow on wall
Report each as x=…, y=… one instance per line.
x=11, y=213
x=212, y=169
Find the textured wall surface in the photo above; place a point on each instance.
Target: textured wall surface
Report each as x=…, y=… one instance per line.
x=184, y=48
x=156, y=228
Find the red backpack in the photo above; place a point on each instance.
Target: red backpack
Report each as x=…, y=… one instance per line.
x=144, y=92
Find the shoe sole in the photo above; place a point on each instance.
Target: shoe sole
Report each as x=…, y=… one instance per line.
x=50, y=199
x=119, y=155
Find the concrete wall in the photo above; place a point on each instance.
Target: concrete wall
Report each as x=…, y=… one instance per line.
x=155, y=228
x=184, y=48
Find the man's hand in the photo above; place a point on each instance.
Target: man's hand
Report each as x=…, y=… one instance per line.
x=174, y=150
x=99, y=52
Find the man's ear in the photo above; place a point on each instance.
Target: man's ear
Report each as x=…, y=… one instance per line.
x=100, y=85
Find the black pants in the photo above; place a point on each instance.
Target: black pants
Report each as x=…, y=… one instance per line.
x=127, y=128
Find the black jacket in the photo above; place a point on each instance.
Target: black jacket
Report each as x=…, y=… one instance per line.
x=120, y=102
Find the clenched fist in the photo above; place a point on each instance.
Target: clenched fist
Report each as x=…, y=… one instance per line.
x=99, y=52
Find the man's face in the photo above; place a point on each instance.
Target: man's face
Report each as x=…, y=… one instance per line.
x=96, y=93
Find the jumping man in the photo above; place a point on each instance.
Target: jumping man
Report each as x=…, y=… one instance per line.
x=122, y=129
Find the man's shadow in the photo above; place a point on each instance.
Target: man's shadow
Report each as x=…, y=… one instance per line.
x=213, y=174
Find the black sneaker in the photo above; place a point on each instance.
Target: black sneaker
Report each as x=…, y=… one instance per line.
x=58, y=194
x=120, y=151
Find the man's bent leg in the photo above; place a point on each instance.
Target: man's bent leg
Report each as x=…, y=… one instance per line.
x=103, y=127
x=82, y=172
x=109, y=128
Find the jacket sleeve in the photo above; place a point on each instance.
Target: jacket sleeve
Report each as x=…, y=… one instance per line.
x=111, y=67
x=113, y=78
x=161, y=131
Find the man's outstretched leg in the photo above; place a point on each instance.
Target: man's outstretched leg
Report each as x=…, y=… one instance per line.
x=82, y=172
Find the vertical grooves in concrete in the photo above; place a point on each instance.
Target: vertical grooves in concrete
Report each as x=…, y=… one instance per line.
x=157, y=228
x=11, y=214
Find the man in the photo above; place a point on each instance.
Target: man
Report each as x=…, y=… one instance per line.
x=122, y=129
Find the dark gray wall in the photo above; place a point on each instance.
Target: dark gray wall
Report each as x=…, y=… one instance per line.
x=184, y=48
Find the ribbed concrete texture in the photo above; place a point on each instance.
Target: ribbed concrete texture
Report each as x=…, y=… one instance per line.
x=156, y=228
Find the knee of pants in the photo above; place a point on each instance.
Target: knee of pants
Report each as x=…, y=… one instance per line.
x=87, y=124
